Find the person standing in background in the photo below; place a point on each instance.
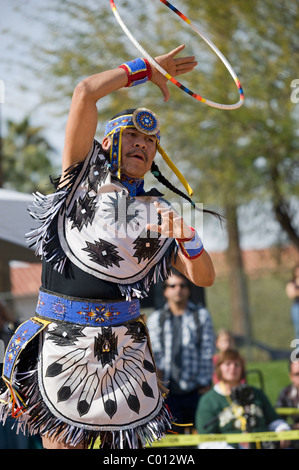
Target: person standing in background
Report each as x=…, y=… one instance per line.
x=224, y=340
x=292, y=291
x=182, y=338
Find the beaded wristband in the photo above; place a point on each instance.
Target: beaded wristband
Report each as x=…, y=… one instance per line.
x=191, y=248
x=138, y=71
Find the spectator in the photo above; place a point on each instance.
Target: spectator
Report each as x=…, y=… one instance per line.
x=231, y=407
x=292, y=290
x=182, y=338
x=224, y=340
x=289, y=397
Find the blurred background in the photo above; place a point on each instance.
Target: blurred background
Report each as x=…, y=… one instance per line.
x=241, y=163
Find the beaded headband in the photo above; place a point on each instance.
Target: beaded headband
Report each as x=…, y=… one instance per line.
x=144, y=120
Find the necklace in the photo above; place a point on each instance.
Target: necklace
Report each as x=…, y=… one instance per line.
x=237, y=410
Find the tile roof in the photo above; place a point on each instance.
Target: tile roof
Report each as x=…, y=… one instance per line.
x=25, y=279
x=258, y=262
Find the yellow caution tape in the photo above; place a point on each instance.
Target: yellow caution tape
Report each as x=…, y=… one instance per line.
x=195, y=439
x=287, y=411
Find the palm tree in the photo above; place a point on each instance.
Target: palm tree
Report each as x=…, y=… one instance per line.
x=27, y=158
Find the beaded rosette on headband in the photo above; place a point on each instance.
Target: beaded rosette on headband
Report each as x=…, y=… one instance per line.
x=144, y=120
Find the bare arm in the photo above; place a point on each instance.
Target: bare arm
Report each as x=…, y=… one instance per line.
x=83, y=115
x=199, y=270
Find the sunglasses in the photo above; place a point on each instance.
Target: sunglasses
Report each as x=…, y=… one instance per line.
x=172, y=286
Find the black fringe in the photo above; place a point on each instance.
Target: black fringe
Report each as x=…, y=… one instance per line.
x=38, y=419
x=45, y=210
x=160, y=271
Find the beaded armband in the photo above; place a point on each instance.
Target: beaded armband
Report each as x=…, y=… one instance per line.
x=138, y=71
x=191, y=247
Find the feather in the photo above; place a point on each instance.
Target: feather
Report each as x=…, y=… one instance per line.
x=139, y=356
x=72, y=383
x=88, y=393
x=136, y=372
x=108, y=395
x=134, y=353
x=124, y=384
x=65, y=362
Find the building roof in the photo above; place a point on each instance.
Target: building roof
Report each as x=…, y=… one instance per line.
x=25, y=279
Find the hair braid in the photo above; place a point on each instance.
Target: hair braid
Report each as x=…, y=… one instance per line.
x=157, y=174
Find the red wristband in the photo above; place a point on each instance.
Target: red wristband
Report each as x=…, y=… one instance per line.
x=138, y=71
x=192, y=247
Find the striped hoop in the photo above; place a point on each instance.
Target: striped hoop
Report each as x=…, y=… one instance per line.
x=174, y=80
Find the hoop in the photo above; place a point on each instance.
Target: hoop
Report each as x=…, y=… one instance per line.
x=174, y=80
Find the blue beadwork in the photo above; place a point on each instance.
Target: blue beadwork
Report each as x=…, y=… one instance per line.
x=145, y=121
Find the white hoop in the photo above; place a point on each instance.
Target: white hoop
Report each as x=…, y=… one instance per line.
x=172, y=79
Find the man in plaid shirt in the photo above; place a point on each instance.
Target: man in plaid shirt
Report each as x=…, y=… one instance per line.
x=183, y=343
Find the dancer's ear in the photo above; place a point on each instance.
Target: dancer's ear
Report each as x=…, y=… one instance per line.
x=106, y=143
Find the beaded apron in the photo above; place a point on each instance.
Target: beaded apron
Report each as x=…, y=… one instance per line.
x=95, y=374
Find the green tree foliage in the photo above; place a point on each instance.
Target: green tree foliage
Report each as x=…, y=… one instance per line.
x=251, y=153
x=26, y=161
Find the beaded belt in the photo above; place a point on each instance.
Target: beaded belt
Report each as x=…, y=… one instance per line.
x=88, y=312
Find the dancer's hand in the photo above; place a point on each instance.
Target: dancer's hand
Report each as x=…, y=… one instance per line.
x=174, y=66
x=172, y=224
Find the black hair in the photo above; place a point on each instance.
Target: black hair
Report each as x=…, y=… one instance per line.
x=123, y=112
x=157, y=174
x=175, y=272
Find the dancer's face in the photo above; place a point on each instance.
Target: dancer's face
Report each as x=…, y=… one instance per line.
x=138, y=151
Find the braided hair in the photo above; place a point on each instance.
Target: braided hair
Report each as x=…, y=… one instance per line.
x=157, y=174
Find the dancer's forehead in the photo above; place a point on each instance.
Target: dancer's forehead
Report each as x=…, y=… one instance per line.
x=136, y=132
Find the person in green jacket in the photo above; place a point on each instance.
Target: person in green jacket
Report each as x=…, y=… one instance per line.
x=234, y=407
